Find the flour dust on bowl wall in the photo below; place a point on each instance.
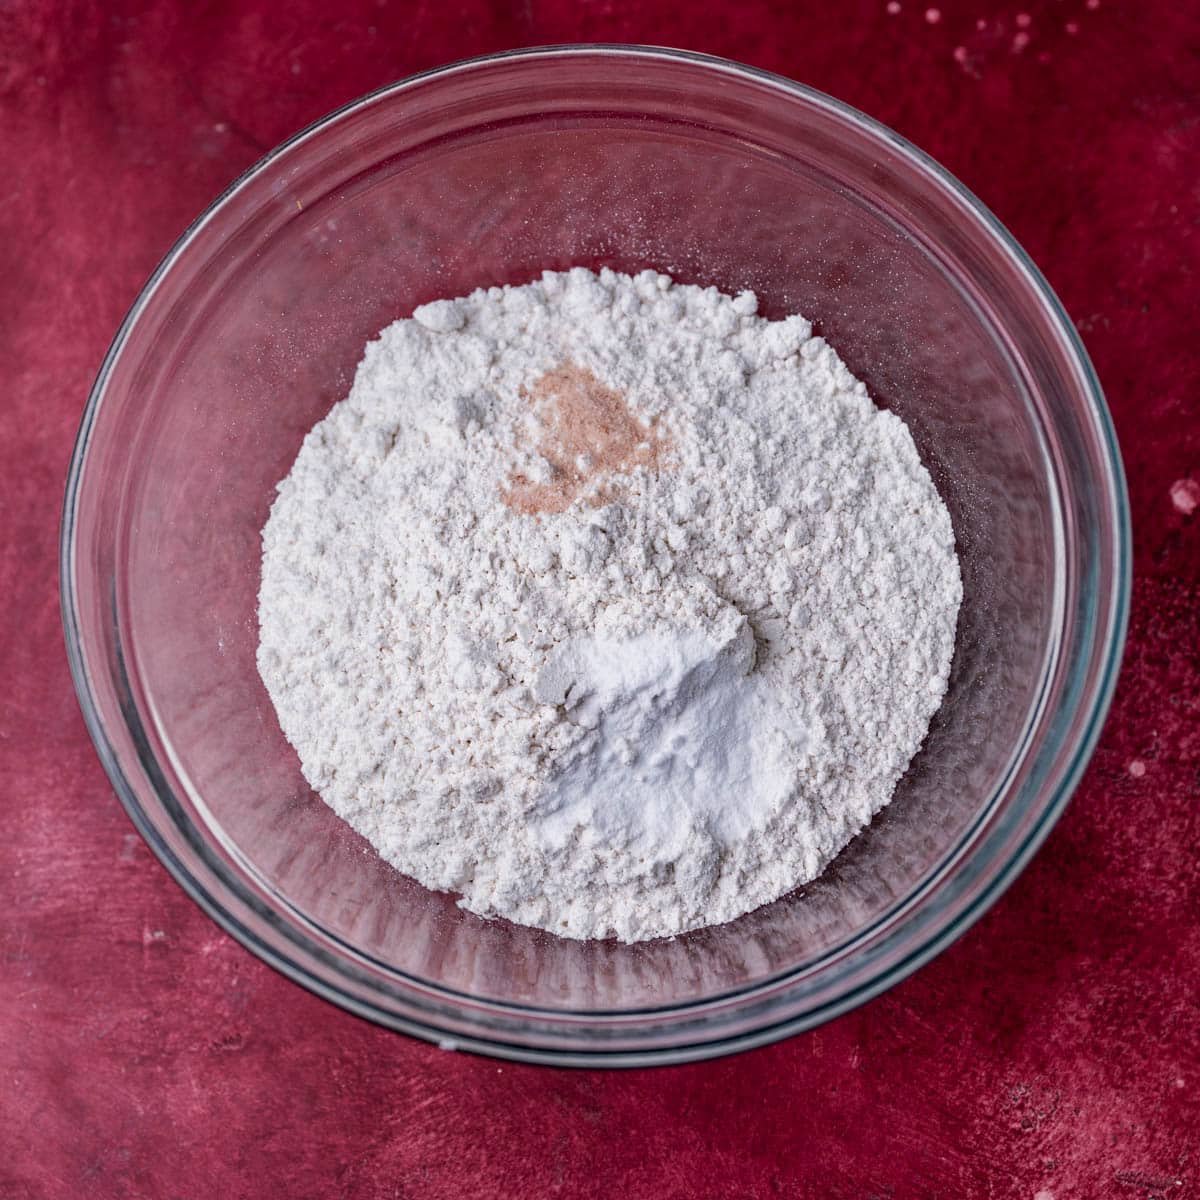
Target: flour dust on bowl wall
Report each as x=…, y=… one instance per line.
x=504, y=611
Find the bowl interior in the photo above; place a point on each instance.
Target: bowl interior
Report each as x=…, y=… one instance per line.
x=484, y=179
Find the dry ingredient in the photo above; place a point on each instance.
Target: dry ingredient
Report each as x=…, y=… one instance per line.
x=607, y=603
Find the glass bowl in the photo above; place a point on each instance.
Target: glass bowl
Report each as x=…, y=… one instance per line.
x=487, y=172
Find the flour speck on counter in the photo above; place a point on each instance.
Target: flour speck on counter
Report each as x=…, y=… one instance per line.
x=607, y=604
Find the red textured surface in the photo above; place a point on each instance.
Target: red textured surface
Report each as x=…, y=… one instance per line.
x=1052, y=1052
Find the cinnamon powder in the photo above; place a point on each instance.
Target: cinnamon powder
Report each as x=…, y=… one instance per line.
x=589, y=434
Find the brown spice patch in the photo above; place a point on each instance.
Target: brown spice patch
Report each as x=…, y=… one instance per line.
x=589, y=433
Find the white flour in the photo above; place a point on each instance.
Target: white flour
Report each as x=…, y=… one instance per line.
x=606, y=603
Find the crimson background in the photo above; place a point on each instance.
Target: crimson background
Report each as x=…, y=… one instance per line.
x=1051, y=1053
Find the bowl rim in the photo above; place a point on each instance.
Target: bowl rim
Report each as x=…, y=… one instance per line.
x=1092, y=712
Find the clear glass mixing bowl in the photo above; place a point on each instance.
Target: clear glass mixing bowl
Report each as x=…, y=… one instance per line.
x=487, y=172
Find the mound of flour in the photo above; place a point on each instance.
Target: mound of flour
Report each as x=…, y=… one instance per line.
x=606, y=603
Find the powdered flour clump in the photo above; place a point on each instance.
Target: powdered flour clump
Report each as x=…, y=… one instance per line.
x=607, y=603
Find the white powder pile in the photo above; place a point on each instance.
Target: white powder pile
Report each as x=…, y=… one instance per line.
x=606, y=603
